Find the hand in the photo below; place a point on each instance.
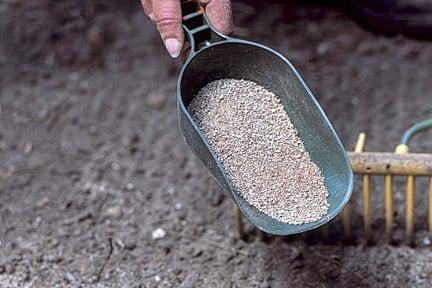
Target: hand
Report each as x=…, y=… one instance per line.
x=166, y=14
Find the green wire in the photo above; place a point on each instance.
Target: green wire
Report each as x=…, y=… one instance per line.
x=415, y=129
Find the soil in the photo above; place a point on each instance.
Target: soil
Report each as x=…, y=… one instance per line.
x=93, y=165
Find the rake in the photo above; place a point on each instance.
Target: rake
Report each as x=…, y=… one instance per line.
x=386, y=165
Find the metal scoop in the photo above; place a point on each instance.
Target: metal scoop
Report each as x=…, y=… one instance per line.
x=215, y=56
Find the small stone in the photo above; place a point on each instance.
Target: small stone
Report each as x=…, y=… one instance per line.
x=69, y=277
x=218, y=237
x=130, y=186
x=295, y=254
x=197, y=252
x=114, y=212
x=120, y=243
x=155, y=99
x=37, y=221
x=426, y=241
x=159, y=233
x=54, y=242
x=178, y=206
x=41, y=203
x=322, y=48
x=157, y=278
x=28, y=148
x=171, y=190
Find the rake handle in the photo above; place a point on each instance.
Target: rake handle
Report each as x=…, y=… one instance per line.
x=380, y=163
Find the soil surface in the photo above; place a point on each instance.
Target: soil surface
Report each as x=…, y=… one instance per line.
x=98, y=189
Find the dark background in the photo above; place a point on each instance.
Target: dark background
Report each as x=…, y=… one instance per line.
x=90, y=151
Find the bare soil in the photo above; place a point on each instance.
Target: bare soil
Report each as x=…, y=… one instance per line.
x=92, y=161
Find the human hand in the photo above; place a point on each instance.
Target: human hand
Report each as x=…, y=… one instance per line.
x=167, y=16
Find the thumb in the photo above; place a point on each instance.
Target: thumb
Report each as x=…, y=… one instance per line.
x=168, y=19
x=219, y=13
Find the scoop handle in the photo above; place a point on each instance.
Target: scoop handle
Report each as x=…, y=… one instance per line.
x=197, y=27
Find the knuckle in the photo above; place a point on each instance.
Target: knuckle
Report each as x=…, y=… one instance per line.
x=166, y=19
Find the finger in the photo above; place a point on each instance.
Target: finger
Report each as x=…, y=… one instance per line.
x=168, y=19
x=148, y=10
x=219, y=13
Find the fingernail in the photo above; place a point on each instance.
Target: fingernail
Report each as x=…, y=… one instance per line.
x=173, y=46
x=151, y=16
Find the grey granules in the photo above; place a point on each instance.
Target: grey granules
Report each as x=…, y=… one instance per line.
x=260, y=150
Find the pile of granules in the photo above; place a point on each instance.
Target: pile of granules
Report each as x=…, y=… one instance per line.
x=260, y=150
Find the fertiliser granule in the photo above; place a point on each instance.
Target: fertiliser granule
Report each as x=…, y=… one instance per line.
x=260, y=150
